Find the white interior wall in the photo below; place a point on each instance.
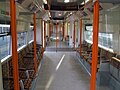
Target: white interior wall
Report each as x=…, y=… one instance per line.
x=39, y=31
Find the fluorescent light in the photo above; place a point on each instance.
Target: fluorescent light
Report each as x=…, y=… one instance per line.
x=66, y=1
x=85, y=2
x=45, y=1
x=59, y=14
x=70, y=13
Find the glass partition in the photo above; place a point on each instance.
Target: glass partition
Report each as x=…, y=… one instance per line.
x=109, y=36
x=105, y=38
x=24, y=26
x=21, y=39
x=108, y=72
x=24, y=35
x=4, y=34
x=5, y=45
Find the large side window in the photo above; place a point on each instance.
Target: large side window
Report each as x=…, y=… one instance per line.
x=21, y=39
x=5, y=44
x=105, y=39
x=89, y=31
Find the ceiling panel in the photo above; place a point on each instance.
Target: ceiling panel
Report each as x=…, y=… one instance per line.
x=110, y=1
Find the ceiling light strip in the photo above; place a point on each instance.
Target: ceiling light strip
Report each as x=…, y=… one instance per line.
x=66, y=1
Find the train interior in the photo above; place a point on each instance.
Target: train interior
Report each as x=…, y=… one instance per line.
x=58, y=37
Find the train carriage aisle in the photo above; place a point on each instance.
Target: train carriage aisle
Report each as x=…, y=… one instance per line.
x=59, y=44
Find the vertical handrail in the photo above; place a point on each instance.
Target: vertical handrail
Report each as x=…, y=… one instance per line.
x=80, y=36
x=44, y=35
x=56, y=35
x=35, y=59
x=49, y=31
x=63, y=30
x=14, y=44
x=74, y=35
x=95, y=45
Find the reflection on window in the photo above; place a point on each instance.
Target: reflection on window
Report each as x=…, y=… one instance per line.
x=4, y=40
x=105, y=39
x=23, y=36
x=21, y=39
x=89, y=28
x=89, y=35
x=4, y=46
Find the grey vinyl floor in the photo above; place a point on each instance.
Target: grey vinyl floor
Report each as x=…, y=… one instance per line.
x=70, y=75
x=62, y=71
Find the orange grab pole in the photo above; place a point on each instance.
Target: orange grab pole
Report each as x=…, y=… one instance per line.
x=42, y=32
x=80, y=36
x=14, y=44
x=95, y=46
x=44, y=35
x=63, y=30
x=56, y=35
x=49, y=30
x=74, y=34
x=35, y=59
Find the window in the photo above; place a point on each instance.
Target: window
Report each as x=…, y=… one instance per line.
x=89, y=28
x=105, y=39
x=5, y=39
x=21, y=39
x=89, y=33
